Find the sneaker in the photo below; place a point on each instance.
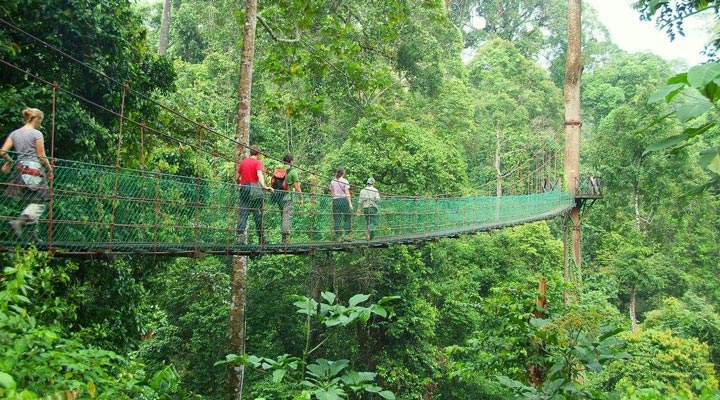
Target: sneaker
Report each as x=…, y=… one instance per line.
x=17, y=226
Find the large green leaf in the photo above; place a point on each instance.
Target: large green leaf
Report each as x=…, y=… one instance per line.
x=672, y=141
x=7, y=381
x=693, y=110
x=665, y=93
x=357, y=299
x=700, y=75
x=710, y=159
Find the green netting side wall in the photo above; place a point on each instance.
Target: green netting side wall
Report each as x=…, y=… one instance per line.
x=96, y=208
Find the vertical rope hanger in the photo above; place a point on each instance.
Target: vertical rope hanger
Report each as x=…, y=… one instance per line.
x=117, y=166
x=52, y=160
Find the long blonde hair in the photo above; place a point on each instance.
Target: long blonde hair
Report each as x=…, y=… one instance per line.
x=30, y=114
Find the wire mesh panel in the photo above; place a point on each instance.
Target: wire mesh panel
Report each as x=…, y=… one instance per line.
x=95, y=208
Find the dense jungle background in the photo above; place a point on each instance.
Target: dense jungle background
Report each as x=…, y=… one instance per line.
x=428, y=97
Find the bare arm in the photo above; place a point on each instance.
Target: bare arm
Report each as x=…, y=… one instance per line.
x=3, y=153
x=349, y=197
x=261, y=179
x=296, y=185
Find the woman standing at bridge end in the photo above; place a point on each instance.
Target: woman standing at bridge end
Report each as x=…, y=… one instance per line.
x=29, y=180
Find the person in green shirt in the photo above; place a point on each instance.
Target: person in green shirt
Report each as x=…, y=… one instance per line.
x=292, y=179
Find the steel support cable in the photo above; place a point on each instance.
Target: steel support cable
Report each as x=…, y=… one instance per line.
x=141, y=95
x=116, y=81
x=105, y=109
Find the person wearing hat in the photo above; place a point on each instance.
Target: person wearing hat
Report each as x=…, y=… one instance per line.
x=368, y=205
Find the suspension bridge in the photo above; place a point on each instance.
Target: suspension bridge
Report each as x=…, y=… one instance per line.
x=95, y=209
x=112, y=209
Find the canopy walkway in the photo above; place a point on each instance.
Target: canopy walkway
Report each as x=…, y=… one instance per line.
x=101, y=209
x=97, y=209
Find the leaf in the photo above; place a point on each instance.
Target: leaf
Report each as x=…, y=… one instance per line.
x=672, y=141
x=553, y=386
x=655, y=4
x=357, y=299
x=693, y=110
x=667, y=93
x=7, y=381
x=710, y=159
x=386, y=394
x=679, y=78
x=278, y=375
x=511, y=383
x=328, y=296
x=700, y=75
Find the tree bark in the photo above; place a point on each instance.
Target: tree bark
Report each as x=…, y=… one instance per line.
x=633, y=315
x=498, y=171
x=164, y=28
x=242, y=136
x=573, y=71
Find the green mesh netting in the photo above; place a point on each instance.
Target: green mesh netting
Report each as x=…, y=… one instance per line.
x=98, y=209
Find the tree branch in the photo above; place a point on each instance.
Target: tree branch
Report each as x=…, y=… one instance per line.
x=274, y=36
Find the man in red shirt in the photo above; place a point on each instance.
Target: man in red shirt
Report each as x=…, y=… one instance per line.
x=249, y=176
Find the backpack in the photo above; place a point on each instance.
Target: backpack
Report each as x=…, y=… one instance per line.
x=278, y=181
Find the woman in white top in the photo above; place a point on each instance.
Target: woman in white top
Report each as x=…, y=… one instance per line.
x=29, y=180
x=341, y=206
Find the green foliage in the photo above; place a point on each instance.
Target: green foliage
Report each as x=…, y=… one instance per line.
x=663, y=362
x=702, y=80
x=323, y=379
x=689, y=317
x=402, y=157
x=670, y=16
x=189, y=313
x=43, y=361
x=109, y=38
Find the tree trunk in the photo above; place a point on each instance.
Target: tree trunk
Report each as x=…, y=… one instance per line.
x=242, y=135
x=573, y=71
x=636, y=205
x=498, y=171
x=164, y=28
x=633, y=315
x=536, y=371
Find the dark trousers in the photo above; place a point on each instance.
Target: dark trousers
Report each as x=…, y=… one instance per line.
x=370, y=218
x=250, y=205
x=341, y=215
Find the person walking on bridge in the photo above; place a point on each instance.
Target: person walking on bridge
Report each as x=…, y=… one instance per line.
x=29, y=180
x=368, y=204
x=249, y=176
x=292, y=183
x=341, y=206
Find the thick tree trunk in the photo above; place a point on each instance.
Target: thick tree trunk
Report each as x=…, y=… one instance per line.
x=536, y=372
x=164, y=28
x=242, y=135
x=573, y=71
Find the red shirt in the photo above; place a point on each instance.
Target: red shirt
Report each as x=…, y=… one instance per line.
x=248, y=169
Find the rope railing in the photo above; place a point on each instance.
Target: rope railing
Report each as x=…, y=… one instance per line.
x=110, y=209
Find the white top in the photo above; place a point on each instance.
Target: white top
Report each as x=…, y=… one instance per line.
x=369, y=197
x=338, y=187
